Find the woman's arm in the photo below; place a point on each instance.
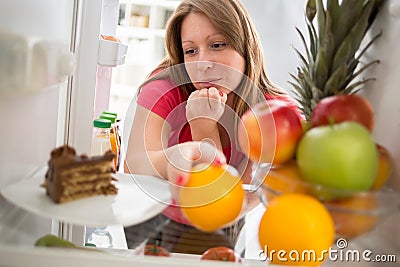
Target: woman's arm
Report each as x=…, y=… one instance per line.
x=204, y=108
x=148, y=152
x=148, y=137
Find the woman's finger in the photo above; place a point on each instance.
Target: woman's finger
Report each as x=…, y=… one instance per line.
x=208, y=153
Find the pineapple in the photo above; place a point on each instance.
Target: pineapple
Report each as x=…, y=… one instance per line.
x=332, y=59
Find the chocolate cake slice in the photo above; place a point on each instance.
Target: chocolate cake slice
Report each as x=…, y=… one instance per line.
x=70, y=177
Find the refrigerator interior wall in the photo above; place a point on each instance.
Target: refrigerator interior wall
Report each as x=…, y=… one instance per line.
x=33, y=121
x=275, y=21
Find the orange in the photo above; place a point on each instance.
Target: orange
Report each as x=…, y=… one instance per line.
x=355, y=215
x=213, y=196
x=385, y=167
x=283, y=178
x=296, y=229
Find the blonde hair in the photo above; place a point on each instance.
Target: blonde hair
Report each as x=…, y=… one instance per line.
x=231, y=19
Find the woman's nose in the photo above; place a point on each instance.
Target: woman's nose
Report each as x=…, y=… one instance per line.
x=204, y=65
x=204, y=60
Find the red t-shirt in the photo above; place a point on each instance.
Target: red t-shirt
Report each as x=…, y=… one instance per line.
x=165, y=99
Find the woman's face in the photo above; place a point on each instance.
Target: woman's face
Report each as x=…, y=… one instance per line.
x=209, y=59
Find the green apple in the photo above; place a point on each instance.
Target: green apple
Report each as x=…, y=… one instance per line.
x=341, y=156
x=53, y=241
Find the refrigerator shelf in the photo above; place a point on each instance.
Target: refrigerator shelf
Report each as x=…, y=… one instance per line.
x=30, y=256
x=139, y=198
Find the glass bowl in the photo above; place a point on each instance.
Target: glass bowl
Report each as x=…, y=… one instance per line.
x=354, y=212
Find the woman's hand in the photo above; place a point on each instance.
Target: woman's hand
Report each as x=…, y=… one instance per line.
x=203, y=110
x=181, y=158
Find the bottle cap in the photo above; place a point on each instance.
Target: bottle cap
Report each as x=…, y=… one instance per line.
x=110, y=117
x=102, y=123
x=111, y=113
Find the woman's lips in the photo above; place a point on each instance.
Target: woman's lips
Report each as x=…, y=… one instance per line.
x=209, y=83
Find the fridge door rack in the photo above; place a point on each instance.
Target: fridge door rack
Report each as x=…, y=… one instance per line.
x=111, y=53
x=29, y=63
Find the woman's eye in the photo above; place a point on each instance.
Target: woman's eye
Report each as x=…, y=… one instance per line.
x=189, y=51
x=218, y=45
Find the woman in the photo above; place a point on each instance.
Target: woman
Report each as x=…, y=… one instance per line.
x=187, y=111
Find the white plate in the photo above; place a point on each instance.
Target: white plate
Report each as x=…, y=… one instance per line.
x=139, y=198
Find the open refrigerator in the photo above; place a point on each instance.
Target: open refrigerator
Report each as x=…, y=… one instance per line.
x=55, y=77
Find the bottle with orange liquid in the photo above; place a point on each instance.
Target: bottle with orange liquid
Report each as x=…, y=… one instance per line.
x=114, y=139
x=117, y=133
x=116, y=125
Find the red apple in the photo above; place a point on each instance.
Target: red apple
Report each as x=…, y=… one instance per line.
x=269, y=132
x=340, y=108
x=156, y=250
x=221, y=254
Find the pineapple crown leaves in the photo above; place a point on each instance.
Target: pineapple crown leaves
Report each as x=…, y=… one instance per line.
x=330, y=61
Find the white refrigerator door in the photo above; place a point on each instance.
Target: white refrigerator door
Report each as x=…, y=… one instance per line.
x=48, y=79
x=35, y=39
